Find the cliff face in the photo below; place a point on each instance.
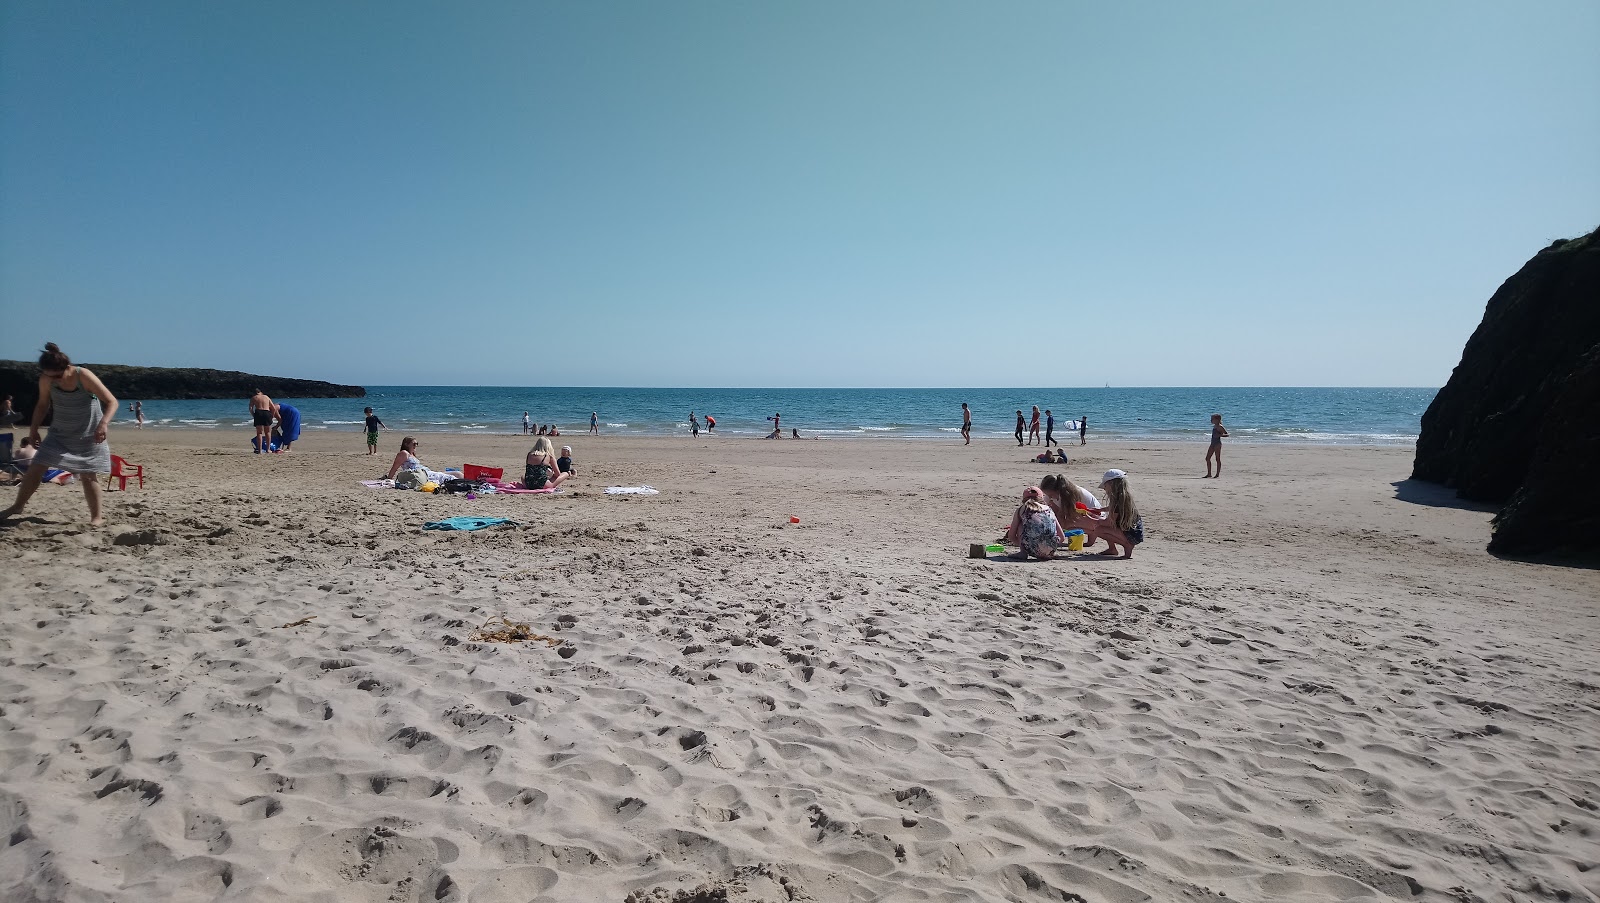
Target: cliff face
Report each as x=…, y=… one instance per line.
x=1518, y=423
x=20, y=379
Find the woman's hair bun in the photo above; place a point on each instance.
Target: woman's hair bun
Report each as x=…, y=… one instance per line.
x=52, y=347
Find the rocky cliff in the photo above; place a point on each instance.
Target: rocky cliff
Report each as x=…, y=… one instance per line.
x=1518, y=424
x=20, y=379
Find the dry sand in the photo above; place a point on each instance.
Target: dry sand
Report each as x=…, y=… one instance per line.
x=1308, y=685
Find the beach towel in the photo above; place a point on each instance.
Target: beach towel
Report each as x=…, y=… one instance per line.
x=631, y=490
x=516, y=489
x=467, y=523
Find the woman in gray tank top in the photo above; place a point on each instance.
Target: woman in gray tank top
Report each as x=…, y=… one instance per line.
x=83, y=409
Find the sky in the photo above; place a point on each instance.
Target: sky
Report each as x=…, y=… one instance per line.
x=787, y=194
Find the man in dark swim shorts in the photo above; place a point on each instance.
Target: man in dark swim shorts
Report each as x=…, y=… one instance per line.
x=261, y=416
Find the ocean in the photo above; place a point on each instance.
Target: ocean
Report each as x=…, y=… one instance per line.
x=1364, y=416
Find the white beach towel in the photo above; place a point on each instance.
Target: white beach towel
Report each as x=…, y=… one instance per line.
x=631, y=490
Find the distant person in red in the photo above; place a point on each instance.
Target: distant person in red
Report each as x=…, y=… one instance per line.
x=711, y=424
x=1033, y=426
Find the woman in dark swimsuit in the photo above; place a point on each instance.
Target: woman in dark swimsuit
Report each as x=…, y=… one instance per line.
x=541, y=470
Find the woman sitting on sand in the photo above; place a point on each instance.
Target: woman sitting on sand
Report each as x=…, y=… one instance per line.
x=542, y=470
x=406, y=459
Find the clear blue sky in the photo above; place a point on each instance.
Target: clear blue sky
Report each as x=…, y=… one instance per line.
x=786, y=194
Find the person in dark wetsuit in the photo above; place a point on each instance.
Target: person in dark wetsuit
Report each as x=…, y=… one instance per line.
x=1083, y=431
x=1049, y=428
x=1022, y=424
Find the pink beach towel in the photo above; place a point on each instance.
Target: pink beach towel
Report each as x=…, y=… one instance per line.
x=515, y=488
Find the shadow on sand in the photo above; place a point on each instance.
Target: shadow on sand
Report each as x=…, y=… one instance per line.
x=1418, y=492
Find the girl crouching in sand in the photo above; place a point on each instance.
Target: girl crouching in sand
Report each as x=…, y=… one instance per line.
x=1075, y=507
x=1122, y=526
x=1034, y=527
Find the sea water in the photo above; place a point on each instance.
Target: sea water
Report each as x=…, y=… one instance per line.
x=1360, y=416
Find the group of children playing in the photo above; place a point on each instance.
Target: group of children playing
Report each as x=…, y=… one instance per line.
x=1057, y=504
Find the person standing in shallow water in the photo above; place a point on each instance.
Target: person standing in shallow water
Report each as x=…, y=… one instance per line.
x=1083, y=430
x=594, y=423
x=966, y=423
x=83, y=409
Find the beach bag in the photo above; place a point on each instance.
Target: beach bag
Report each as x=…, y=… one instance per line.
x=409, y=479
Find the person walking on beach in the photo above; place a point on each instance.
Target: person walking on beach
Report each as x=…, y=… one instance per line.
x=77, y=441
x=1083, y=431
x=261, y=415
x=966, y=423
x=1033, y=426
x=594, y=423
x=527, y=427
x=8, y=414
x=373, y=425
x=138, y=414
x=1217, y=432
x=694, y=425
x=1049, y=428
x=1022, y=424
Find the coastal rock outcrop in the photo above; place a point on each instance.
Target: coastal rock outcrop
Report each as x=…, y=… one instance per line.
x=1518, y=424
x=20, y=379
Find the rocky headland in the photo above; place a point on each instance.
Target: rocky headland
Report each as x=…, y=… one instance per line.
x=20, y=379
x=1518, y=424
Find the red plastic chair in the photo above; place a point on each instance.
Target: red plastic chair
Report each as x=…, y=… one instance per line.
x=122, y=470
x=479, y=472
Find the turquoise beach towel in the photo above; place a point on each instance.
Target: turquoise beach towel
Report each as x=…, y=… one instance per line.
x=467, y=523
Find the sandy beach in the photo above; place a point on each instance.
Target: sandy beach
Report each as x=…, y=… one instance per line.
x=262, y=681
